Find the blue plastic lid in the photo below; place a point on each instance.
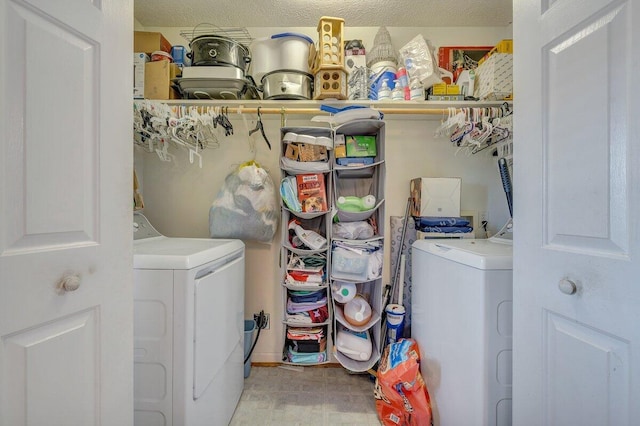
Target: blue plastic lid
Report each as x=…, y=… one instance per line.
x=302, y=36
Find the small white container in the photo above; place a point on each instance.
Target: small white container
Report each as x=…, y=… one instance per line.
x=284, y=51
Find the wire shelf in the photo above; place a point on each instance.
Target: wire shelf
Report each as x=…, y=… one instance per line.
x=239, y=34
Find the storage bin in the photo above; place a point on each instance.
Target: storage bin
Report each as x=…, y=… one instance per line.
x=494, y=78
x=356, y=262
x=249, y=328
x=147, y=42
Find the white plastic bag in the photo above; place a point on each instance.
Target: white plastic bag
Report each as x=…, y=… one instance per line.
x=359, y=230
x=246, y=206
x=420, y=62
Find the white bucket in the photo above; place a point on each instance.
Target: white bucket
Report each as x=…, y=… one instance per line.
x=381, y=72
x=284, y=51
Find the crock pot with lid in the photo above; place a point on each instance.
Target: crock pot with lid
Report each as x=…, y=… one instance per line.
x=283, y=51
x=212, y=50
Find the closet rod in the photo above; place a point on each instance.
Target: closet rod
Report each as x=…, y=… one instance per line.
x=315, y=111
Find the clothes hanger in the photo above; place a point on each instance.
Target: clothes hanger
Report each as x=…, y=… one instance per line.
x=260, y=127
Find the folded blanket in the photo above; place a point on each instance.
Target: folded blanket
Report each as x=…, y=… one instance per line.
x=318, y=315
x=301, y=296
x=305, y=333
x=294, y=308
x=440, y=221
x=446, y=229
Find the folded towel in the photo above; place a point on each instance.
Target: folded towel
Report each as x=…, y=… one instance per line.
x=302, y=358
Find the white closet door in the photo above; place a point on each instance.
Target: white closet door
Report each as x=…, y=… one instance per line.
x=65, y=228
x=576, y=247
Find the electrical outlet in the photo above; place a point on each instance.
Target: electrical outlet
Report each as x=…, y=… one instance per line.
x=484, y=217
x=267, y=323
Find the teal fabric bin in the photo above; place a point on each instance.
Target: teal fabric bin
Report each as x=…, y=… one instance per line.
x=249, y=328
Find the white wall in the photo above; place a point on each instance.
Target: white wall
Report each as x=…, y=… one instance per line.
x=178, y=195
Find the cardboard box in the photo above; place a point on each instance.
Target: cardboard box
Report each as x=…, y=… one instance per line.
x=449, y=57
x=447, y=98
x=312, y=192
x=361, y=146
x=494, y=78
x=148, y=42
x=139, y=61
x=339, y=148
x=445, y=89
x=355, y=58
x=157, y=80
x=436, y=197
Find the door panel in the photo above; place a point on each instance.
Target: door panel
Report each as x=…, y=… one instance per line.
x=43, y=378
x=605, y=358
x=585, y=183
x=53, y=172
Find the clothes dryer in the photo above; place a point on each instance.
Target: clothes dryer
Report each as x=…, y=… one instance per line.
x=462, y=321
x=188, y=328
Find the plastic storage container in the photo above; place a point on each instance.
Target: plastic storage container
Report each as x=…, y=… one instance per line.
x=249, y=328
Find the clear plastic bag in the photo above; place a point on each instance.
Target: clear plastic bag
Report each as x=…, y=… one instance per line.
x=246, y=206
x=417, y=56
x=359, y=230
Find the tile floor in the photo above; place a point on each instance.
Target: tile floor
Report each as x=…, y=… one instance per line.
x=310, y=397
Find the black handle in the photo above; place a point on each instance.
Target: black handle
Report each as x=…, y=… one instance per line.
x=506, y=182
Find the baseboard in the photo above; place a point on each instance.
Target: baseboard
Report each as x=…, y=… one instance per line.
x=278, y=364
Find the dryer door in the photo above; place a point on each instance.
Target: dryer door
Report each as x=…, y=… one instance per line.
x=219, y=318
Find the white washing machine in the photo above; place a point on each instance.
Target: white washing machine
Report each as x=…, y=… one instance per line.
x=188, y=328
x=462, y=320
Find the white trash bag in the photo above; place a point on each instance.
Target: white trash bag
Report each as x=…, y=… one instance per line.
x=246, y=207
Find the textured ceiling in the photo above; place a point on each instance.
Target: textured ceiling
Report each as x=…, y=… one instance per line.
x=306, y=13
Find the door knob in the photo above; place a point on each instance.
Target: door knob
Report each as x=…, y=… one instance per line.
x=69, y=282
x=567, y=286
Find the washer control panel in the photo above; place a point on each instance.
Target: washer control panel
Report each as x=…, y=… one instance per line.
x=142, y=228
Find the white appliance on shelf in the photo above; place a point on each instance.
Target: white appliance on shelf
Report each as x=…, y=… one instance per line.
x=462, y=321
x=188, y=328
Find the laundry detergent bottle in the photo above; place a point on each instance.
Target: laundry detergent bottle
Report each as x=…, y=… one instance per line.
x=357, y=311
x=343, y=291
x=354, y=344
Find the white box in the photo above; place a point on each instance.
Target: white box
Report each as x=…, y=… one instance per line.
x=139, y=59
x=435, y=197
x=494, y=78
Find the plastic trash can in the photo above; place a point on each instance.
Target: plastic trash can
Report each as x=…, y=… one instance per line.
x=249, y=328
